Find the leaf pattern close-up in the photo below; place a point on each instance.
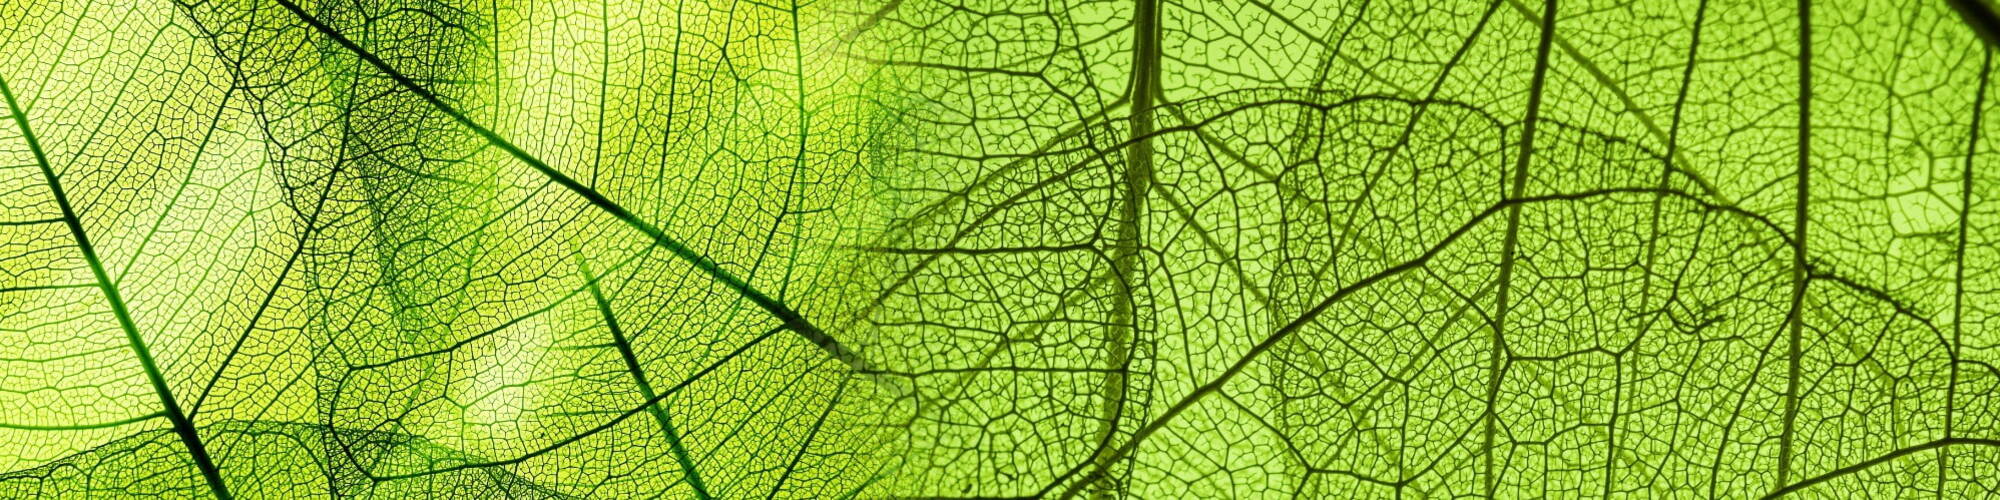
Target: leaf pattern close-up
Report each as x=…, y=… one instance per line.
x=998, y=249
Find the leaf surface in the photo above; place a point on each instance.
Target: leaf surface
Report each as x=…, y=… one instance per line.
x=1382, y=249
x=996, y=249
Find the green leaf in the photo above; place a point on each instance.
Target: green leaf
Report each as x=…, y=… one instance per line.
x=271, y=250
x=910, y=248
x=1384, y=249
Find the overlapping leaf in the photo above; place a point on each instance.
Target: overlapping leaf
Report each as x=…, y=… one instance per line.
x=390, y=249
x=995, y=249
x=1381, y=249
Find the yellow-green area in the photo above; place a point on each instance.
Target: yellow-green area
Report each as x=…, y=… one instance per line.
x=347, y=291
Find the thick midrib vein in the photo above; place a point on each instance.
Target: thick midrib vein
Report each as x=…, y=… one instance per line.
x=1958, y=257
x=791, y=319
x=1795, y=320
x=1136, y=182
x=638, y=373
x=1509, y=247
x=171, y=409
